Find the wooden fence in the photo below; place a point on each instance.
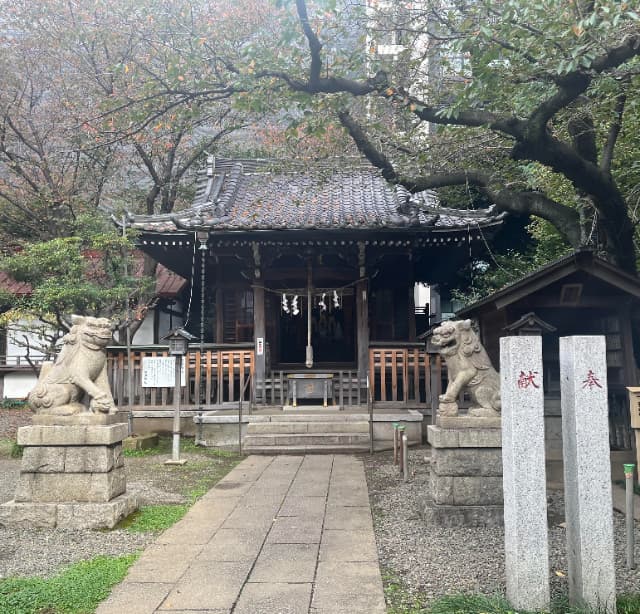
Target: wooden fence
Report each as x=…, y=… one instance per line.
x=404, y=376
x=215, y=378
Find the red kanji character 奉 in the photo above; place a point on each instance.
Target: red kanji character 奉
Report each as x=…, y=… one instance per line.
x=591, y=381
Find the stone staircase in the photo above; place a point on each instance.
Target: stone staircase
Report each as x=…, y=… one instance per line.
x=308, y=434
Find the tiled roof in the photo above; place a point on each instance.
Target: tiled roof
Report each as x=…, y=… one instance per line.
x=168, y=283
x=242, y=196
x=10, y=285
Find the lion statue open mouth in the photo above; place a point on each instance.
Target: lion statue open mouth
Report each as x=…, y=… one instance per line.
x=79, y=370
x=469, y=368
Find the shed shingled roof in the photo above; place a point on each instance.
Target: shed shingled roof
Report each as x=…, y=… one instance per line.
x=254, y=195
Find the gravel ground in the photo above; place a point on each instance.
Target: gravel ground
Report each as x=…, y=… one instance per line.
x=43, y=552
x=434, y=561
x=11, y=420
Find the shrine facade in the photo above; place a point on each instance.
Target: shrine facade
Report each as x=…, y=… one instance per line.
x=304, y=280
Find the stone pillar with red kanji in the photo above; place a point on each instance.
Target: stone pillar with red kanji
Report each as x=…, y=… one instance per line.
x=524, y=476
x=587, y=472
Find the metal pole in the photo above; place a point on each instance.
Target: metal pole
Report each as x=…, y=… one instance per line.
x=177, y=393
x=628, y=474
x=203, y=264
x=400, y=432
x=395, y=426
x=199, y=441
x=240, y=425
x=405, y=457
x=128, y=336
x=309, y=357
x=370, y=408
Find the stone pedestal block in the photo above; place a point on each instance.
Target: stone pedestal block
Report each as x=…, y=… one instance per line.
x=72, y=475
x=54, y=487
x=466, y=473
x=466, y=490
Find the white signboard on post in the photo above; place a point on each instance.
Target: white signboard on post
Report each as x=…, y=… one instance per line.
x=160, y=372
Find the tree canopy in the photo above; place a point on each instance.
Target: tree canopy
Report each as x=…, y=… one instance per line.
x=534, y=103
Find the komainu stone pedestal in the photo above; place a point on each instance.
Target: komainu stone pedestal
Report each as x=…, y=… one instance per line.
x=72, y=474
x=466, y=473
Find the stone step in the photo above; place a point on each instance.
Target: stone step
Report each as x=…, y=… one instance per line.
x=307, y=449
x=306, y=439
x=298, y=416
x=283, y=428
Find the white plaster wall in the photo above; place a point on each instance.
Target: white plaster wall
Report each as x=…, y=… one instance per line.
x=16, y=341
x=144, y=335
x=166, y=323
x=19, y=385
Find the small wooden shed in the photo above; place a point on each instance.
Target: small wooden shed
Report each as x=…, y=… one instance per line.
x=579, y=294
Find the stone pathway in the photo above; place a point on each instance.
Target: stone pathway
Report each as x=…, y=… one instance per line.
x=278, y=535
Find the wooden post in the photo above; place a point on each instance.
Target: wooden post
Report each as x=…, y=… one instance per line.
x=219, y=315
x=412, y=309
x=362, y=316
x=259, y=332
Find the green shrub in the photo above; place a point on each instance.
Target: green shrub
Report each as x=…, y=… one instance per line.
x=13, y=403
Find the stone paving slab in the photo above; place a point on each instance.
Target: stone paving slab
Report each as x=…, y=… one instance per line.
x=286, y=563
x=296, y=530
x=135, y=598
x=278, y=535
x=344, y=518
x=303, y=506
x=274, y=598
x=352, y=546
x=346, y=588
x=207, y=586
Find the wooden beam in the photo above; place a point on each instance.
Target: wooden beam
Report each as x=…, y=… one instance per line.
x=219, y=306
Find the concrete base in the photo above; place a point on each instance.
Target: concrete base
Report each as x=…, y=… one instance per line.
x=140, y=442
x=457, y=516
x=67, y=515
x=180, y=462
x=221, y=429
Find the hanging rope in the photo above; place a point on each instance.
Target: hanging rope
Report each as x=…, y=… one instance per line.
x=193, y=274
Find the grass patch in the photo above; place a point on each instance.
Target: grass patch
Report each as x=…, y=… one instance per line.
x=77, y=590
x=628, y=604
x=153, y=518
x=401, y=601
x=10, y=449
x=187, y=446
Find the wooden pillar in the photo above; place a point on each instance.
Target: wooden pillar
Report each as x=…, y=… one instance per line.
x=259, y=328
x=259, y=334
x=219, y=305
x=412, y=302
x=362, y=316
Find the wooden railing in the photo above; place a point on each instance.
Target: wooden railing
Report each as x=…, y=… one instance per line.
x=404, y=375
x=215, y=378
x=399, y=375
x=19, y=361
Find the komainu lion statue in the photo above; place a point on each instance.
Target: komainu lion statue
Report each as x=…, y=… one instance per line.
x=80, y=369
x=468, y=368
